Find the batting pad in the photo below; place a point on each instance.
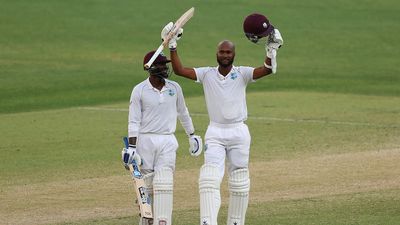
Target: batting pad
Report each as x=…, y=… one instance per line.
x=148, y=181
x=163, y=188
x=210, y=198
x=239, y=187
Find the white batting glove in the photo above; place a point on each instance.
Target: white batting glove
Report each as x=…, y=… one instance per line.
x=129, y=155
x=274, y=42
x=271, y=53
x=173, y=41
x=195, y=145
x=166, y=30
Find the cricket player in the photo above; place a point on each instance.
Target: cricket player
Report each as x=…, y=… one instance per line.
x=155, y=105
x=227, y=136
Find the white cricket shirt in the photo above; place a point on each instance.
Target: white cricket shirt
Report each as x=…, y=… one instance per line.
x=225, y=95
x=154, y=111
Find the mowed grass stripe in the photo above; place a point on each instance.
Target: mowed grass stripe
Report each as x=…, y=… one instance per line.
x=308, y=107
x=71, y=143
x=266, y=118
x=57, y=54
x=276, y=181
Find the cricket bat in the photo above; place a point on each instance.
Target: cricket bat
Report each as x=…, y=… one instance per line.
x=143, y=198
x=177, y=25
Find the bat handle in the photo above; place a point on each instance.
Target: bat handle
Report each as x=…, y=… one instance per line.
x=126, y=142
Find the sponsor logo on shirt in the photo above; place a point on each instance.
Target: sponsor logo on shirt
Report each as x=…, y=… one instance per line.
x=171, y=92
x=234, y=76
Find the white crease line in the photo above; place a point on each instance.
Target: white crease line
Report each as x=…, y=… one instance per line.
x=268, y=118
x=103, y=109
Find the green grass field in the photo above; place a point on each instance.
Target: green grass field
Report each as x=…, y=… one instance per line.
x=325, y=129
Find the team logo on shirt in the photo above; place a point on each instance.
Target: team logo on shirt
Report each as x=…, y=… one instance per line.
x=171, y=92
x=234, y=76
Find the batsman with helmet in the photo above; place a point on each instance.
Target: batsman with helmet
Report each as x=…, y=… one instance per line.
x=155, y=105
x=227, y=136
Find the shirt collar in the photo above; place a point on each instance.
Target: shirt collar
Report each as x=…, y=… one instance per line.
x=150, y=86
x=225, y=77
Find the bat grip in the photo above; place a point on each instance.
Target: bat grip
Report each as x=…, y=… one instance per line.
x=134, y=167
x=126, y=142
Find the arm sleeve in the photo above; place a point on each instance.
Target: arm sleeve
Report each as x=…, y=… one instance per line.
x=247, y=73
x=135, y=113
x=200, y=73
x=183, y=113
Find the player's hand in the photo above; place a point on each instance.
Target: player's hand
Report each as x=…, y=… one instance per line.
x=166, y=30
x=195, y=145
x=274, y=42
x=173, y=41
x=129, y=155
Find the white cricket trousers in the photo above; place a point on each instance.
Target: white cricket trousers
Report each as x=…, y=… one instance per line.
x=157, y=151
x=230, y=141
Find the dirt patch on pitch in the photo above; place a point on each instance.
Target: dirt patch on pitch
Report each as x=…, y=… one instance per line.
x=68, y=201
x=326, y=175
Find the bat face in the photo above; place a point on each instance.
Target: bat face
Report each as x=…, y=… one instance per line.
x=142, y=196
x=178, y=24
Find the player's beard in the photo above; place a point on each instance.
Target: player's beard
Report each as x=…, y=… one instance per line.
x=225, y=62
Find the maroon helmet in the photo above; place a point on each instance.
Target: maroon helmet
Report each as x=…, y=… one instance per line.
x=159, y=67
x=256, y=26
x=161, y=58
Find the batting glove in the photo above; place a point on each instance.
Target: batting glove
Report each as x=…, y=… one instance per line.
x=129, y=155
x=271, y=53
x=274, y=40
x=173, y=41
x=195, y=145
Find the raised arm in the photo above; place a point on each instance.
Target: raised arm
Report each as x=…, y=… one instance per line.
x=274, y=42
x=176, y=62
x=264, y=70
x=179, y=69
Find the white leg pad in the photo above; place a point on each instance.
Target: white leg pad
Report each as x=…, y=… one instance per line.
x=163, y=196
x=239, y=187
x=148, y=181
x=210, y=197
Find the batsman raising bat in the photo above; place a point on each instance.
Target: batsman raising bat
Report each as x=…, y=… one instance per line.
x=155, y=105
x=227, y=136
